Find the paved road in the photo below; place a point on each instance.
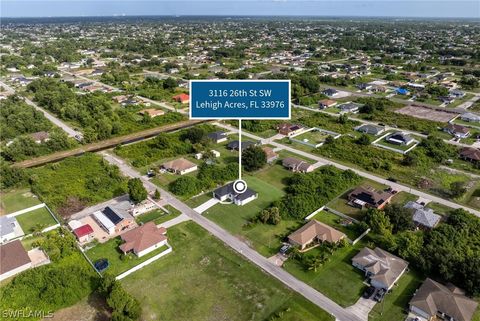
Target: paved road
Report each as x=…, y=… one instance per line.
x=65, y=127
x=395, y=186
x=308, y=292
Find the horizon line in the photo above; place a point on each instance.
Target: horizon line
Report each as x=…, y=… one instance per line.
x=234, y=15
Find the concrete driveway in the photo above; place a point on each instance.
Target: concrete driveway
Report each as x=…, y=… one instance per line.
x=205, y=206
x=362, y=308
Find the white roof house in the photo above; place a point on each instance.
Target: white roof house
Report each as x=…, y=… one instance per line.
x=104, y=221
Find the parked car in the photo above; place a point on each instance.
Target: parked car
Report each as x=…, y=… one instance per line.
x=284, y=249
x=369, y=292
x=379, y=295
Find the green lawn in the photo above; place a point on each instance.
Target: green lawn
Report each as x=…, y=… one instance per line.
x=334, y=221
x=157, y=216
x=396, y=303
x=16, y=200
x=400, y=148
x=198, y=200
x=203, y=280
x=341, y=204
x=337, y=278
x=403, y=198
x=265, y=238
x=439, y=208
x=109, y=250
x=36, y=220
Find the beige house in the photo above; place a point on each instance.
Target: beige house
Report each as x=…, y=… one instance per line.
x=315, y=231
x=297, y=165
x=180, y=166
x=434, y=301
x=382, y=268
x=143, y=239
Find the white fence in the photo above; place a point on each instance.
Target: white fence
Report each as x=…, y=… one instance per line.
x=314, y=213
x=26, y=210
x=145, y=263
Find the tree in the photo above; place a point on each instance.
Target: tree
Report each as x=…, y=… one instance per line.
x=156, y=195
x=194, y=135
x=378, y=221
x=253, y=158
x=124, y=306
x=457, y=189
x=270, y=215
x=186, y=186
x=343, y=119
x=363, y=140
x=400, y=217
x=136, y=190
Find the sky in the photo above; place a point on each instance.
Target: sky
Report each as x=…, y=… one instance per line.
x=375, y=8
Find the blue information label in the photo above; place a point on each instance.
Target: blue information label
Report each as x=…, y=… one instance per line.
x=240, y=99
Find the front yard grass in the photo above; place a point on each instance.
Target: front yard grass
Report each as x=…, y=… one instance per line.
x=36, y=220
x=16, y=200
x=233, y=217
x=395, y=303
x=157, y=216
x=337, y=278
x=118, y=262
x=176, y=286
x=403, y=198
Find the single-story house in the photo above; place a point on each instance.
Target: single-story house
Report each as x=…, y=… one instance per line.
x=84, y=233
x=382, y=268
x=182, y=98
x=470, y=117
x=180, y=166
x=315, y=231
x=152, y=112
x=326, y=103
x=399, y=138
x=143, y=207
x=366, y=196
x=330, y=92
x=458, y=131
x=40, y=137
x=227, y=192
x=457, y=93
x=364, y=86
x=218, y=137
x=349, y=107
x=143, y=239
x=9, y=229
x=113, y=220
x=289, y=129
x=434, y=301
x=370, y=129
x=14, y=259
x=271, y=155
x=446, y=99
x=423, y=217
x=470, y=154
x=234, y=144
x=297, y=165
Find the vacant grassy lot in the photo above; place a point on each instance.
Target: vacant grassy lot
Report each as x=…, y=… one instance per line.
x=312, y=137
x=36, y=220
x=118, y=262
x=158, y=216
x=396, y=303
x=264, y=238
x=75, y=182
x=203, y=280
x=337, y=278
x=341, y=204
x=400, y=148
x=16, y=200
x=403, y=198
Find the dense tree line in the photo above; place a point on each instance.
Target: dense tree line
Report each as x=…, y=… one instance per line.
x=18, y=118
x=306, y=193
x=451, y=251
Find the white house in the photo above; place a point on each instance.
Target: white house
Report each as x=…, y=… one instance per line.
x=227, y=192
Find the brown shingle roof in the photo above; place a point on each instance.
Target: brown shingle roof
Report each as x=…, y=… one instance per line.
x=12, y=256
x=142, y=237
x=470, y=153
x=370, y=195
x=316, y=229
x=433, y=296
x=180, y=164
